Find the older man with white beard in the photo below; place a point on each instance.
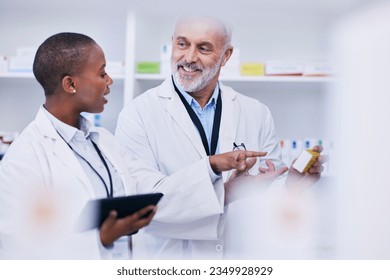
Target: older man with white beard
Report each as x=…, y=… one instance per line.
x=194, y=139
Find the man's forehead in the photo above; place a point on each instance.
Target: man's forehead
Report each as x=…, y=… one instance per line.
x=198, y=25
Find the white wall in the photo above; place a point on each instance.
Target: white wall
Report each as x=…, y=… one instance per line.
x=20, y=98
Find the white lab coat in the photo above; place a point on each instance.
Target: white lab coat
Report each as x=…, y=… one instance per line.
x=157, y=131
x=40, y=171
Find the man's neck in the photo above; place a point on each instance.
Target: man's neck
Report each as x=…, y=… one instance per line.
x=203, y=96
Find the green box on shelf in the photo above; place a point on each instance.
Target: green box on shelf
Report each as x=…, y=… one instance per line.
x=148, y=67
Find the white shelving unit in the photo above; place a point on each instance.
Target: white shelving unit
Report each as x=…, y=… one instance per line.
x=261, y=32
x=271, y=79
x=298, y=103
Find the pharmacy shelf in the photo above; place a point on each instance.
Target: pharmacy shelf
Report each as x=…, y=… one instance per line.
x=298, y=79
x=17, y=75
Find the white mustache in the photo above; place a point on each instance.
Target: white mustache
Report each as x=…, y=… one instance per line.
x=191, y=66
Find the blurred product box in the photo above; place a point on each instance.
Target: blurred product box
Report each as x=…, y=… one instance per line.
x=6, y=139
x=23, y=61
x=252, y=69
x=3, y=64
x=20, y=64
x=148, y=67
x=306, y=160
x=26, y=52
x=165, y=59
x=318, y=69
x=284, y=69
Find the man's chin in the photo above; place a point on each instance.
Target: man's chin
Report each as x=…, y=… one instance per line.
x=187, y=84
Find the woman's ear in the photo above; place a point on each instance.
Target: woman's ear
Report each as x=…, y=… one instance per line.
x=68, y=84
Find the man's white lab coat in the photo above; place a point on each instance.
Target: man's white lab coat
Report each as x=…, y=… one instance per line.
x=157, y=131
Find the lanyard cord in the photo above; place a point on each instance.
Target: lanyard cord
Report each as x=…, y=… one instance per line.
x=198, y=124
x=109, y=192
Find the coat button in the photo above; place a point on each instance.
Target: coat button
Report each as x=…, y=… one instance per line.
x=218, y=247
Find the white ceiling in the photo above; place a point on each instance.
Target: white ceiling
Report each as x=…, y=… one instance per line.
x=317, y=7
x=239, y=12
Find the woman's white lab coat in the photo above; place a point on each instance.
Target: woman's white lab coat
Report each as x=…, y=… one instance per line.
x=157, y=131
x=43, y=188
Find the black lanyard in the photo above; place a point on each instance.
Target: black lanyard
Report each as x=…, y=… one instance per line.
x=109, y=192
x=198, y=124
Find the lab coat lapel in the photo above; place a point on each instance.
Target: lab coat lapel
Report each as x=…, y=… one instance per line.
x=64, y=154
x=229, y=120
x=61, y=151
x=179, y=114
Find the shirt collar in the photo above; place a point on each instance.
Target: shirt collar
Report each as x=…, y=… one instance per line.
x=67, y=131
x=190, y=100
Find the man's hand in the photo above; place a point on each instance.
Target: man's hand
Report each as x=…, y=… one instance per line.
x=233, y=160
x=297, y=182
x=238, y=183
x=113, y=228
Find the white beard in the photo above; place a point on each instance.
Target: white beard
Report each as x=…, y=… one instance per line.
x=188, y=83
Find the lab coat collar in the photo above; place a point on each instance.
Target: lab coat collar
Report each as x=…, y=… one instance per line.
x=190, y=100
x=44, y=124
x=229, y=120
x=68, y=132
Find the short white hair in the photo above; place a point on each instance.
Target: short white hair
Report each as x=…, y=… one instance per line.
x=224, y=24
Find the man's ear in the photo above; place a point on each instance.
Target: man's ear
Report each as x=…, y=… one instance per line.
x=68, y=84
x=228, y=53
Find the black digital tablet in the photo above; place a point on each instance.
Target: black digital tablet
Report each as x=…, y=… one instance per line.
x=96, y=211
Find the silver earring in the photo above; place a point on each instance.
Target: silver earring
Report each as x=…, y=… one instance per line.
x=74, y=91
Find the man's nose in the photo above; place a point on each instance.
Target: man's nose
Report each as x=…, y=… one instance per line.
x=191, y=55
